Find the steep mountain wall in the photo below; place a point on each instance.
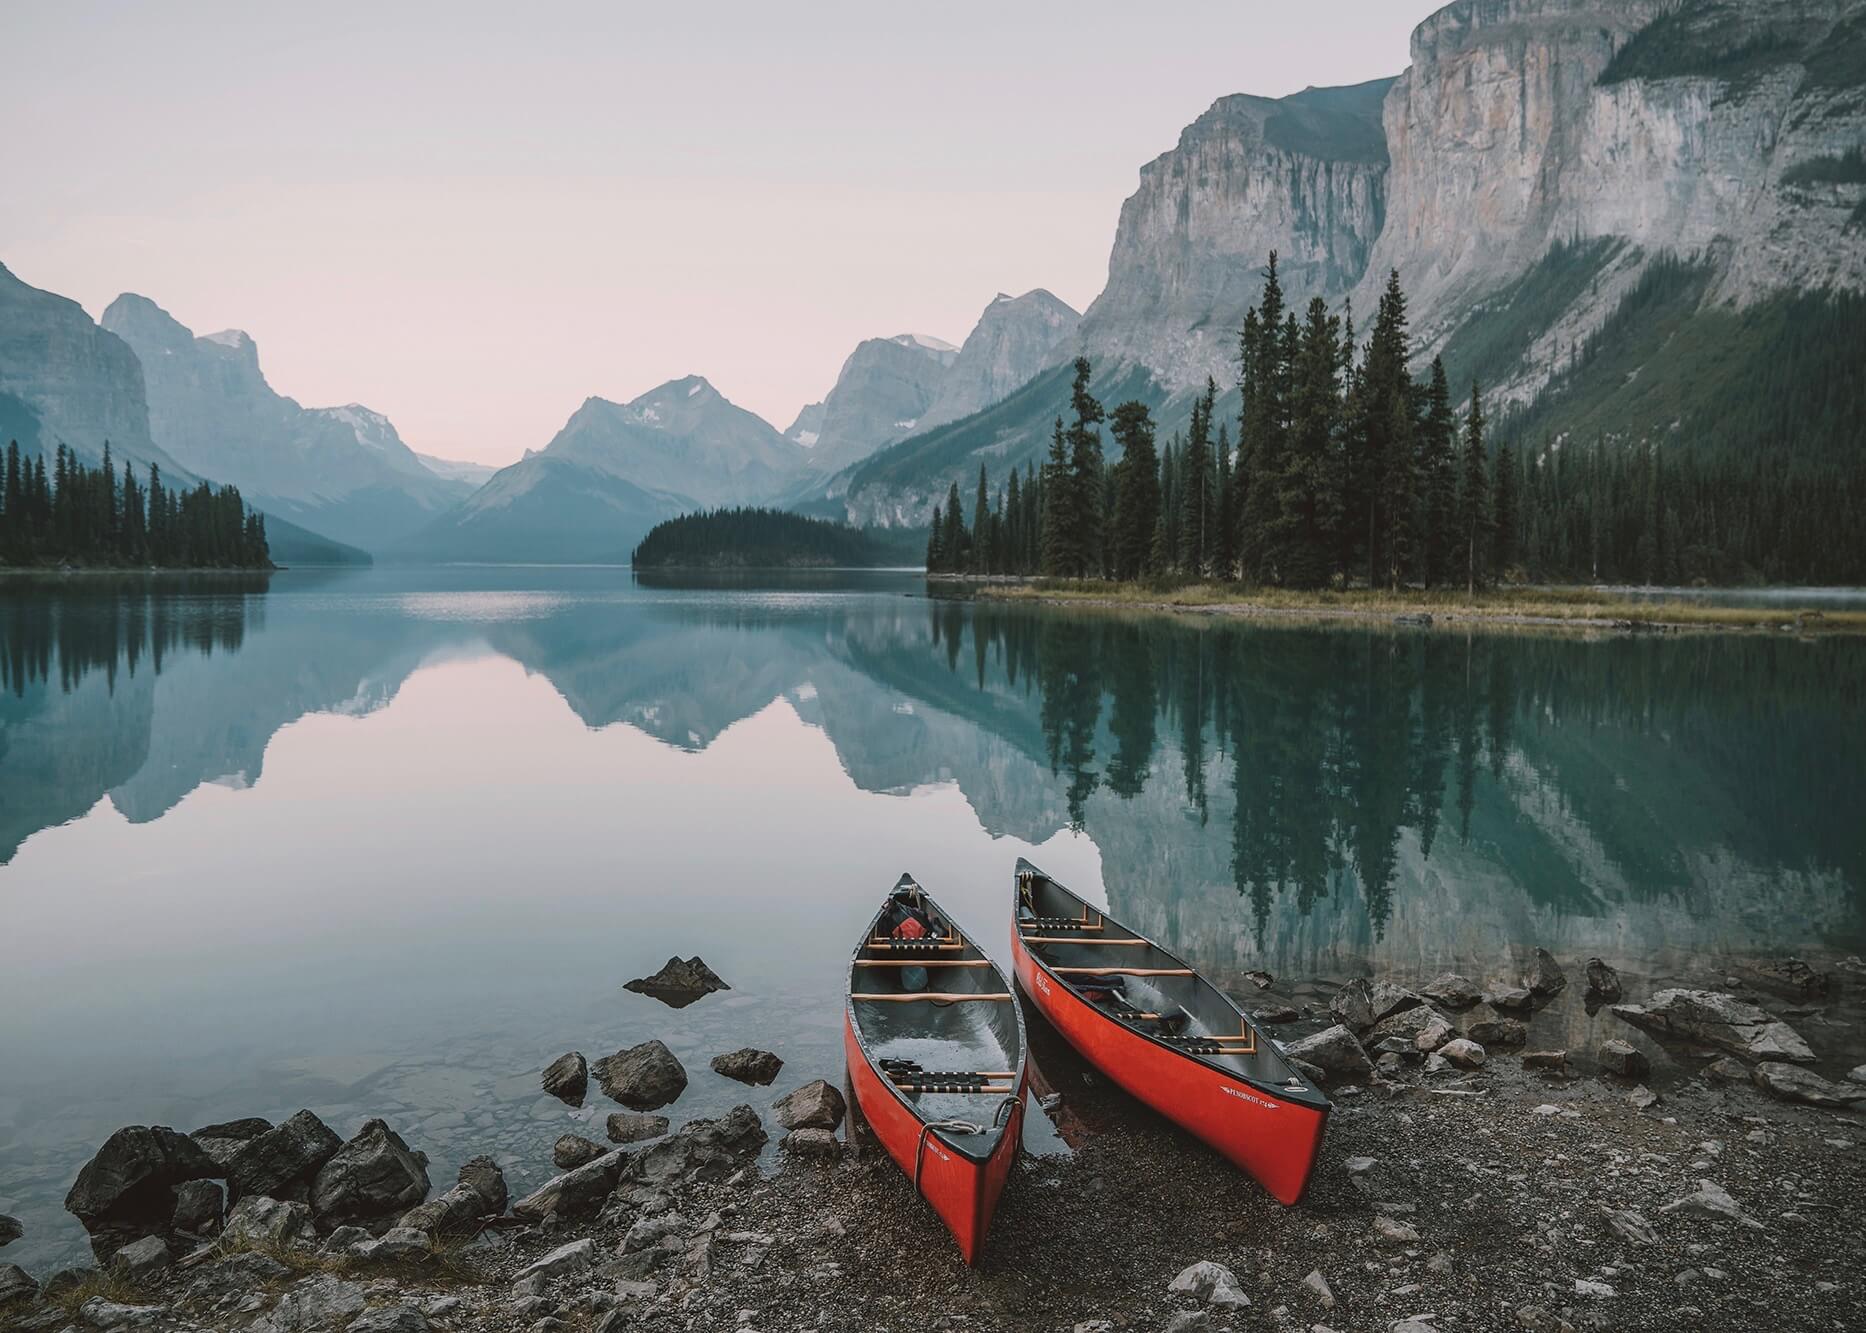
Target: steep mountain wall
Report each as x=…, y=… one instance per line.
x=341, y=471
x=1673, y=127
x=62, y=378
x=1304, y=175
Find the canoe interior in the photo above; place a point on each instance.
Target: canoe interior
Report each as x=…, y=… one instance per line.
x=943, y=1037
x=1189, y=1006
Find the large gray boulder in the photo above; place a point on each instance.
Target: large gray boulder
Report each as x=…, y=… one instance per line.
x=399, y=1318
x=142, y=1261
x=1545, y=975
x=321, y=1304
x=575, y=1257
x=127, y=1191
x=1503, y=1032
x=1334, y=1051
x=1362, y=1003
x=567, y=1078
x=573, y=1150
x=282, y=1161
x=1792, y=1083
x=1453, y=990
x=1464, y=1053
x=816, y=1105
x=748, y=1064
x=223, y=1141
x=16, y=1284
x=199, y=1207
x=1721, y=1021
x=701, y=1150
x=634, y=1126
x=689, y=977
x=642, y=1078
x=480, y=1193
x=272, y=1225
x=574, y=1193
x=1623, y=1059
x=374, y=1175
x=1405, y=1024
x=1603, y=983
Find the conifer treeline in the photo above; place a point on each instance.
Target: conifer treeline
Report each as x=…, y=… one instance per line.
x=750, y=537
x=86, y=516
x=1346, y=470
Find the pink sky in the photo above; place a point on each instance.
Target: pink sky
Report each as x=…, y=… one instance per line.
x=472, y=218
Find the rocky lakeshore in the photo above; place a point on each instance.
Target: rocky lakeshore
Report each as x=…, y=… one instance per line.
x=1703, y=1169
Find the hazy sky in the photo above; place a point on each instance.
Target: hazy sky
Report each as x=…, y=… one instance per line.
x=473, y=217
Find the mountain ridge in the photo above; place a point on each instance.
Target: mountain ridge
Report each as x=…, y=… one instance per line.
x=343, y=471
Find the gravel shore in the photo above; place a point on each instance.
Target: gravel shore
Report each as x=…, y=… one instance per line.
x=1512, y=1197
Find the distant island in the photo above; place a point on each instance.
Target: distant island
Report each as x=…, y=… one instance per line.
x=751, y=538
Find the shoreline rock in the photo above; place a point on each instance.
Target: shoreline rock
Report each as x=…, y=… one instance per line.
x=1720, y=1021
x=567, y=1078
x=642, y=1078
x=748, y=1065
x=679, y=983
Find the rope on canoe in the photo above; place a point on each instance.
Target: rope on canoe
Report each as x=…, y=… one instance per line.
x=1006, y=1112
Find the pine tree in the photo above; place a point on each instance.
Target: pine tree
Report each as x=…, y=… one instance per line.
x=953, y=542
x=1195, y=491
x=1224, y=519
x=1264, y=375
x=936, y=535
x=1085, y=473
x=981, y=526
x=1012, y=554
x=1474, y=497
x=1165, y=557
x=1060, y=515
x=1308, y=499
x=1137, y=491
x=1505, y=516
x=1438, y=482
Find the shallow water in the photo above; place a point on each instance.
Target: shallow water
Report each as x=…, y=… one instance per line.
x=386, y=842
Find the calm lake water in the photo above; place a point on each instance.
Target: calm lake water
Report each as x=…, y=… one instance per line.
x=387, y=842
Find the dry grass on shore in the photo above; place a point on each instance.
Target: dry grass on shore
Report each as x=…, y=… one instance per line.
x=1578, y=606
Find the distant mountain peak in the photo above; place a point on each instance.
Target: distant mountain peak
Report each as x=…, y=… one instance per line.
x=924, y=341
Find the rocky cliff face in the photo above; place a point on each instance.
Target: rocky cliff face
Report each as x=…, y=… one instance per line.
x=62, y=378
x=880, y=396
x=1677, y=128
x=342, y=471
x=1304, y=175
x=1015, y=338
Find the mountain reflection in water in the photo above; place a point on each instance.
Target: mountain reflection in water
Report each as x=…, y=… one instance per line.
x=386, y=842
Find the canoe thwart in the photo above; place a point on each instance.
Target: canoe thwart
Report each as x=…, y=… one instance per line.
x=927, y=995
x=1065, y=939
x=1124, y=971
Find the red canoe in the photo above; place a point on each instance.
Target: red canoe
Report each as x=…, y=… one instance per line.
x=1165, y=1034
x=935, y=1045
